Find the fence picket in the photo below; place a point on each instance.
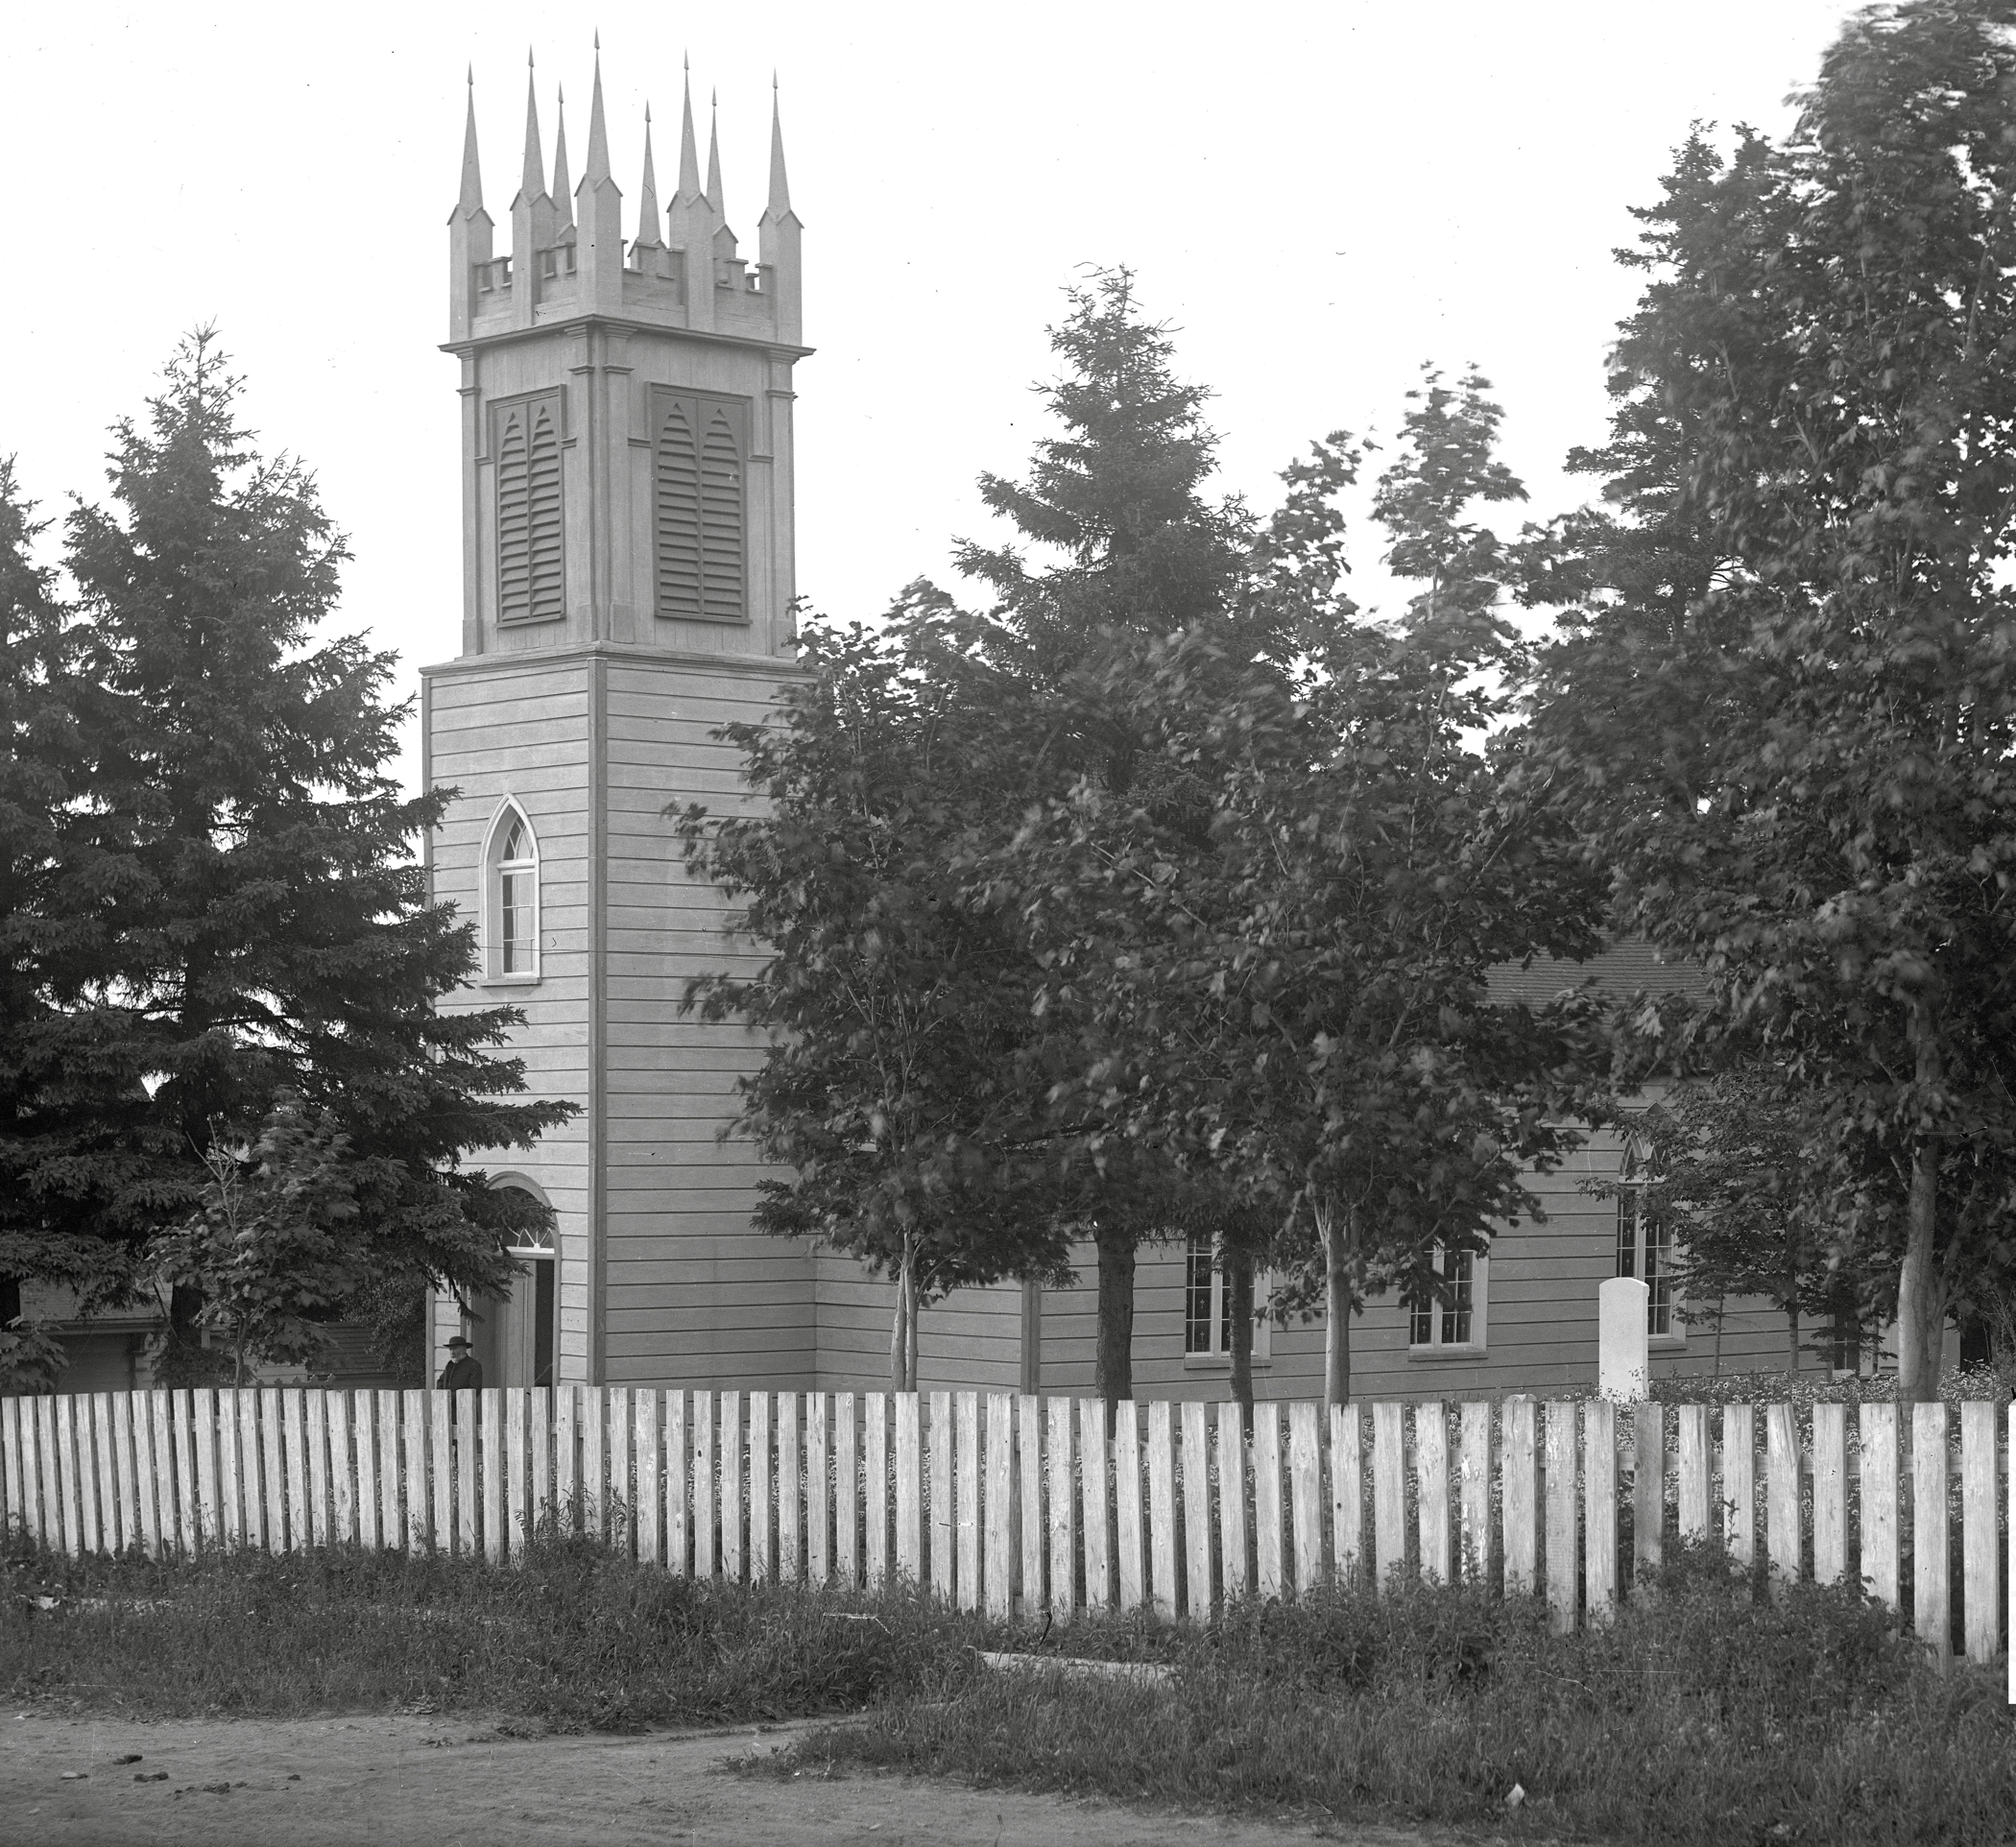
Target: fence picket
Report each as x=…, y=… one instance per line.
x=760, y=1496
x=729, y=1450
x=909, y=1490
x=1694, y=1466
x=619, y=1498
x=443, y=1443
x=1980, y=1601
x=1474, y=1493
x=956, y=1453
x=1563, y=1569
x=707, y=1555
x=231, y=1467
x=2009, y=1569
x=875, y=1465
x=51, y=1524
x=252, y=1471
x=1648, y=1486
x=106, y=1445
x=539, y=1462
x=517, y=1459
x=1431, y=1476
x=1235, y=1578
x=1389, y=1493
x=791, y=1542
x=954, y=1535
x=1830, y=1493
x=1097, y=1518
x=363, y=1434
x=1270, y=1565
x=1127, y=1503
x=1932, y=1607
x=489, y=1424
x=566, y=1456
x=1063, y=1521
x=647, y=1513
x=129, y=1440
x=12, y=1451
x=463, y=1410
x=1519, y=1467
x=594, y=1402
x=81, y=1463
x=175, y=1469
x=271, y=1442
x=1739, y=1482
x=391, y=1475
x=1306, y=1496
x=294, y=1428
x=679, y=1543
x=819, y=1491
x=1162, y=1511
x=418, y=1505
x=1029, y=1527
x=997, y=1581
x=203, y=1432
x=342, y=1477
x=1196, y=1512
x=1781, y=1522
x=1346, y=1495
x=849, y=1495
x=101, y=1523
x=1599, y=1509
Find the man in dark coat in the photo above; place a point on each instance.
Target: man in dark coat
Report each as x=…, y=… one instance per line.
x=462, y=1372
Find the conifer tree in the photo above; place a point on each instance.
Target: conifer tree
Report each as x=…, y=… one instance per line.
x=228, y=906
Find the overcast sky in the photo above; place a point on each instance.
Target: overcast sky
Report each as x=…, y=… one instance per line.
x=1316, y=198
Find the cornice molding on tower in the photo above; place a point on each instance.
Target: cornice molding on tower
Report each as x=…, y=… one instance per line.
x=544, y=330
x=762, y=666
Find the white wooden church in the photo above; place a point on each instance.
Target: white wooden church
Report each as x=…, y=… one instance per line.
x=628, y=397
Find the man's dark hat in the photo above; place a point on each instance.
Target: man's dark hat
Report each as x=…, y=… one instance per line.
x=459, y=1340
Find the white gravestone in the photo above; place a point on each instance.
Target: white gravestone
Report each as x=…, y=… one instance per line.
x=1624, y=1371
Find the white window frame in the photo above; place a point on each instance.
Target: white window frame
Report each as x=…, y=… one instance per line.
x=1436, y=1346
x=1631, y=1183
x=1219, y=1359
x=496, y=868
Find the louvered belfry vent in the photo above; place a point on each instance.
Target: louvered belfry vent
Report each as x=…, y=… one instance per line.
x=531, y=576
x=698, y=446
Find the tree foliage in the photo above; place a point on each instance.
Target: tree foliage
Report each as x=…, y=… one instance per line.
x=221, y=902
x=1789, y=694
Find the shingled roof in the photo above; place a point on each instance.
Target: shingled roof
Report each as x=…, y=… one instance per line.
x=1621, y=968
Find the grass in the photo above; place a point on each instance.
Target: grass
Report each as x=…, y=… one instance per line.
x=1711, y=1711
x=577, y=1639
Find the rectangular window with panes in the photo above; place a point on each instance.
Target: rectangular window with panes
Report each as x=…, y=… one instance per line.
x=1450, y=1318
x=1207, y=1309
x=1645, y=1245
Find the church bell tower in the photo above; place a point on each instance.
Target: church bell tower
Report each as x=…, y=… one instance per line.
x=626, y=416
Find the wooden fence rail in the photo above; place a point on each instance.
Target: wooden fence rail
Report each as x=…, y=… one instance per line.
x=997, y=1502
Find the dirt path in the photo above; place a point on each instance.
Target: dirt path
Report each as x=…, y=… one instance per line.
x=459, y=1783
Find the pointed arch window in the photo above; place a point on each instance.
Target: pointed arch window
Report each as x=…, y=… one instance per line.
x=699, y=452
x=1645, y=1238
x=511, y=898
x=531, y=576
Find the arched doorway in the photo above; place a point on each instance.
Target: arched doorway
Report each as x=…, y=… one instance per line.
x=518, y=1337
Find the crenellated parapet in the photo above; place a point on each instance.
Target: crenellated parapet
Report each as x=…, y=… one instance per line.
x=678, y=269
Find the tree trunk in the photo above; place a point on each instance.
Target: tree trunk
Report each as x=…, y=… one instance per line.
x=902, y=1332
x=1115, y=1374
x=1791, y=1322
x=1921, y=1306
x=1238, y=1289
x=1336, y=1311
x=1921, y=1300
x=1722, y=1315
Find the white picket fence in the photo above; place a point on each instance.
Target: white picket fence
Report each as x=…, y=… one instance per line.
x=998, y=1502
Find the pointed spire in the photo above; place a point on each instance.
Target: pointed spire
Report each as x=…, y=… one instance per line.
x=688, y=152
x=598, y=133
x=713, y=152
x=562, y=189
x=471, y=167
x=533, y=182
x=647, y=204
x=779, y=187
